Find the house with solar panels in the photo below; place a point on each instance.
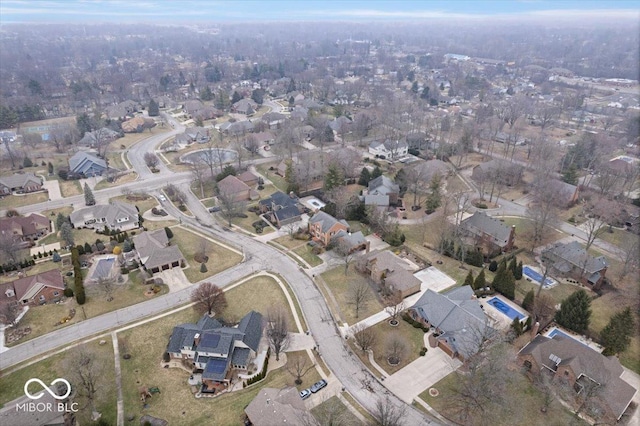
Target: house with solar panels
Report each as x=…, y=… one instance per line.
x=217, y=353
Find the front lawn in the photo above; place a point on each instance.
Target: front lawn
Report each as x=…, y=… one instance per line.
x=142, y=202
x=307, y=254
x=13, y=201
x=220, y=258
x=104, y=183
x=271, y=175
x=55, y=366
x=334, y=409
x=411, y=336
x=521, y=405
x=338, y=283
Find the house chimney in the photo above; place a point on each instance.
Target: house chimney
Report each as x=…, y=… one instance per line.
x=196, y=339
x=534, y=330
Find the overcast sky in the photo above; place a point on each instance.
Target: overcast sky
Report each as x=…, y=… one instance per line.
x=202, y=11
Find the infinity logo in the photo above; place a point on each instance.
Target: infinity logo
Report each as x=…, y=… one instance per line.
x=47, y=388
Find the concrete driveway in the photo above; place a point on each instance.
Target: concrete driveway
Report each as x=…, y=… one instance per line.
x=53, y=187
x=421, y=374
x=174, y=278
x=434, y=279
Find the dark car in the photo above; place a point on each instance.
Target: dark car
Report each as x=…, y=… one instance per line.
x=214, y=209
x=318, y=385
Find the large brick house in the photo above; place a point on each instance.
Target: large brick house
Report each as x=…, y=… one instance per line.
x=571, y=260
x=25, y=228
x=45, y=287
x=155, y=252
x=487, y=234
x=115, y=215
x=393, y=273
x=217, y=352
x=582, y=368
x=20, y=182
x=323, y=227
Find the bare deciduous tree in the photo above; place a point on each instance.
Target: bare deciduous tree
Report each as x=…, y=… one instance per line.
x=396, y=348
x=230, y=206
x=298, y=366
x=344, y=249
x=86, y=375
x=277, y=330
x=151, y=160
x=359, y=295
x=107, y=285
x=9, y=313
x=208, y=298
x=388, y=413
x=364, y=336
x=9, y=247
x=197, y=169
x=394, y=304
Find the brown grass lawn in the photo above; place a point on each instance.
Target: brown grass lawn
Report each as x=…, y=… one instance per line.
x=306, y=253
x=334, y=405
x=521, y=407
x=54, y=367
x=129, y=177
x=130, y=139
x=115, y=161
x=278, y=181
x=143, y=205
x=64, y=210
x=337, y=282
x=619, y=237
x=290, y=243
x=209, y=188
x=147, y=343
x=258, y=294
x=219, y=257
x=13, y=201
x=69, y=188
x=524, y=231
x=42, y=319
x=358, y=407
x=152, y=225
x=414, y=338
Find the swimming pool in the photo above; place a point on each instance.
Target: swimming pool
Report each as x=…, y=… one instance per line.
x=535, y=276
x=558, y=332
x=505, y=309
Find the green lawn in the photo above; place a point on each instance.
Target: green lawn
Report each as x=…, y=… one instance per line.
x=121, y=180
x=289, y=242
x=219, y=257
x=176, y=403
x=338, y=282
x=13, y=201
x=521, y=405
x=306, y=253
x=413, y=337
x=258, y=294
x=42, y=319
x=334, y=409
x=55, y=366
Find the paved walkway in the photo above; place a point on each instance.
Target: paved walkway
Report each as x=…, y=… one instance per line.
x=116, y=357
x=53, y=187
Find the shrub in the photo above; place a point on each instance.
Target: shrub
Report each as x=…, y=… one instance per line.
x=493, y=266
x=481, y=206
x=169, y=232
x=423, y=351
x=203, y=268
x=68, y=292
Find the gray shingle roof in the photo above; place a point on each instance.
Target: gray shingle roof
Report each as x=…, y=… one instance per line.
x=573, y=253
x=153, y=250
x=326, y=220
x=251, y=326
x=20, y=180
x=382, y=185
x=481, y=223
x=240, y=356
x=286, y=213
x=215, y=342
x=116, y=210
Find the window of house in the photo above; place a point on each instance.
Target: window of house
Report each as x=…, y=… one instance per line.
x=55, y=293
x=41, y=298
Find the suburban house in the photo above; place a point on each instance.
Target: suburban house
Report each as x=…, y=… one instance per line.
x=505, y=172
x=261, y=138
x=340, y=124
x=323, y=227
x=236, y=127
x=25, y=228
x=99, y=137
x=353, y=241
x=249, y=178
x=105, y=268
x=571, y=260
x=281, y=209
x=428, y=169
x=381, y=192
x=196, y=109
x=137, y=124
x=116, y=215
x=309, y=168
x=274, y=120
x=87, y=164
x=276, y=407
x=566, y=359
x=392, y=273
x=217, y=352
x=20, y=183
x=457, y=319
x=564, y=193
x=121, y=110
x=245, y=106
x=45, y=287
x=197, y=134
x=487, y=234
x=155, y=253
x=389, y=149
x=233, y=187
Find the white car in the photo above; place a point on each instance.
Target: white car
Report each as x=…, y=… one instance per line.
x=162, y=198
x=304, y=394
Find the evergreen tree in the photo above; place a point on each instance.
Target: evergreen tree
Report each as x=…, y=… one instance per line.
x=27, y=162
x=518, y=273
x=529, y=300
x=235, y=97
x=513, y=266
x=575, y=312
x=258, y=96
x=127, y=246
x=203, y=268
x=56, y=257
x=480, y=281
x=291, y=179
x=499, y=279
x=425, y=93
x=434, y=199
x=333, y=178
x=50, y=168
x=616, y=336
x=87, y=248
x=516, y=326
x=327, y=135
x=509, y=285
x=571, y=175
x=66, y=233
x=292, y=86
x=169, y=232
x=376, y=172
x=365, y=177
x=493, y=266
x=89, y=199
x=469, y=280
x=60, y=220
x=206, y=94
x=414, y=87
x=154, y=108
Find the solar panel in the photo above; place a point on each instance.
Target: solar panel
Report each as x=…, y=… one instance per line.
x=210, y=340
x=216, y=366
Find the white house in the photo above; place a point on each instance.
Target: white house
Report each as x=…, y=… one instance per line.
x=389, y=149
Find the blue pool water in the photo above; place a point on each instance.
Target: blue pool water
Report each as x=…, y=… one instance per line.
x=534, y=275
x=505, y=309
x=558, y=332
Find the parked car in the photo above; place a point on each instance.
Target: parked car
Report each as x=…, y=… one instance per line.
x=304, y=394
x=318, y=385
x=162, y=197
x=214, y=209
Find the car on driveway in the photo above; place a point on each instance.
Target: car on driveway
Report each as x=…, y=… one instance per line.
x=304, y=394
x=318, y=385
x=162, y=198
